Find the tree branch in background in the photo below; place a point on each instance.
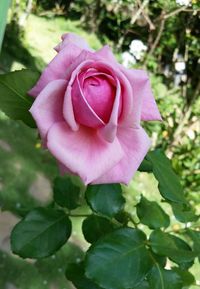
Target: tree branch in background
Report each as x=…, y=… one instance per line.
x=139, y=11
x=183, y=121
x=24, y=16
x=156, y=41
x=146, y=16
x=182, y=9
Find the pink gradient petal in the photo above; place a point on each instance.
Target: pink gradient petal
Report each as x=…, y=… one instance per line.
x=74, y=39
x=106, y=54
x=57, y=68
x=135, y=144
x=144, y=105
x=68, y=110
x=100, y=94
x=83, y=152
x=109, y=131
x=84, y=114
x=47, y=107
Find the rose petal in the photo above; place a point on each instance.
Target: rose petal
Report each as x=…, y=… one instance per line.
x=135, y=144
x=144, y=105
x=47, y=107
x=108, y=132
x=83, y=152
x=106, y=54
x=57, y=68
x=123, y=101
x=83, y=111
x=68, y=110
x=74, y=39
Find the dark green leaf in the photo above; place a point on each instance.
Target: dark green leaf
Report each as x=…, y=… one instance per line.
x=94, y=227
x=183, y=246
x=186, y=277
x=143, y=285
x=171, y=246
x=168, y=182
x=75, y=273
x=41, y=233
x=122, y=217
x=183, y=213
x=14, y=100
x=112, y=260
x=65, y=193
x=105, y=199
x=146, y=166
x=151, y=214
x=195, y=237
x=160, y=278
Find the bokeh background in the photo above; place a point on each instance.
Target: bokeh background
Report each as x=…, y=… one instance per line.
x=161, y=36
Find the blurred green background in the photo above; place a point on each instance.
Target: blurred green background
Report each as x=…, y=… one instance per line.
x=160, y=36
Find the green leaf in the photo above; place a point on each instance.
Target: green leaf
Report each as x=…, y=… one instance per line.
x=119, y=259
x=171, y=246
x=41, y=233
x=160, y=278
x=14, y=99
x=168, y=182
x=145, y=166
x=186, y=277
x=105, y=199
x=143, y=285
x=151, y=214
x=94, y=227
x=195, y=237
x=183, y=246
x=65, y=193
x=75, y=273
x=183, y=213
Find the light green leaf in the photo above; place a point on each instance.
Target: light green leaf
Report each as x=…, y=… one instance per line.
x=14, y=100
x=151, y=214
x=111, y=261
x=41, y=233
x=105, y=199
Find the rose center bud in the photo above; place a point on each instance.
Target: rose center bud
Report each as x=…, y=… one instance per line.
x=93, y=95
x=100, y=95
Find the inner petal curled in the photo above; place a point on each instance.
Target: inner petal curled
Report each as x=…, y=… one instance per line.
x=100, y=95
x=93, y=96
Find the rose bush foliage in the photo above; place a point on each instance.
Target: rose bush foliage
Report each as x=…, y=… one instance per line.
x=88, y=110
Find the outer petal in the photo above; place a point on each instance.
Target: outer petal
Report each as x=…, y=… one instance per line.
x=74, y=39
x=47, y=107
x=57, y=68
x=83, y=152
x=106, y=54
x=144, y=105
x=135, y=143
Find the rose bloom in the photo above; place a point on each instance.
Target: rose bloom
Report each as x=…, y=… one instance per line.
x=88, y=110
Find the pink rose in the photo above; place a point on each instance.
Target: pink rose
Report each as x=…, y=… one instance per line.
x=88, y=111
